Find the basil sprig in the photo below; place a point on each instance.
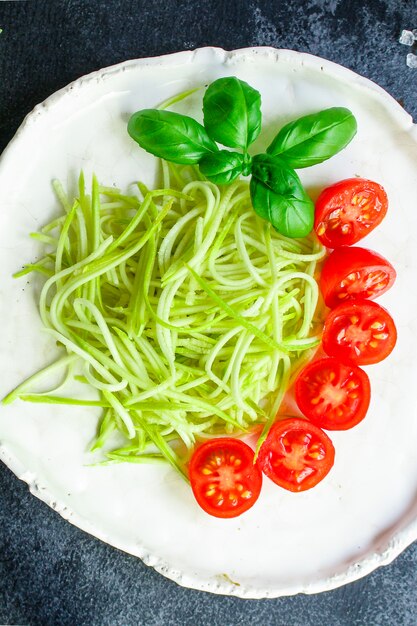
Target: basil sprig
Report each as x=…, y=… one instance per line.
x=232, y=118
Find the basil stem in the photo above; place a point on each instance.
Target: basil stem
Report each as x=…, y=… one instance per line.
x=232, y=112
x=279, y=197
x=224, y=167
x=314, y=138
x=170, y=136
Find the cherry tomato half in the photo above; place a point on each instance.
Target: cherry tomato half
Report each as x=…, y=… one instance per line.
x=349, y=210
x=360, y=332
x=296, y=454
x=355, y=273
x=224, y=479
x=333, y=395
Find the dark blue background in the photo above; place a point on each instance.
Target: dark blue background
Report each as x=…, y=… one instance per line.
x=50, y=572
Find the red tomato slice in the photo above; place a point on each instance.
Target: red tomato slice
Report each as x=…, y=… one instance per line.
x=296, y=454
x=355, y=273
x=333, y=395
x=360, y=332
x=224, y=479
x=349, y=210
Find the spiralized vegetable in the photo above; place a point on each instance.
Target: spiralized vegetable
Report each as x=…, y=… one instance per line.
x=186, y=312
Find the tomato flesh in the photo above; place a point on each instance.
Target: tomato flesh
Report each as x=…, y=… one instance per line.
x=348, y=210
x=360, y=332
x=333, y=395
x=296, y=455
x=224, y=479
x=351, y=273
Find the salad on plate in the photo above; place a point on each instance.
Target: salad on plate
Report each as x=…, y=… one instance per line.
x=198, y=311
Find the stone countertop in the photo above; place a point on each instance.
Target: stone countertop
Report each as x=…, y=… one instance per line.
x=52, y=573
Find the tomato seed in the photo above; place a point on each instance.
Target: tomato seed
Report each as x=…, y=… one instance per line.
x=316, y=455
x=377, y=326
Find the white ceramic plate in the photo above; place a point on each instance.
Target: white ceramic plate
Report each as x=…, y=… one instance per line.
x=365, y=512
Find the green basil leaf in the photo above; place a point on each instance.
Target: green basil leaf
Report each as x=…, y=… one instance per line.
x=278, y=196
x=222, y=167
x=314, y=138
x=170, y=136
x=232, y=112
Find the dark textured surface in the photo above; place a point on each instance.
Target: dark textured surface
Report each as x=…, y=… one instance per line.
x=50, y=572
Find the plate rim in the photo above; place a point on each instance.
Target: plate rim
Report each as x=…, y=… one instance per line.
x=369, y=562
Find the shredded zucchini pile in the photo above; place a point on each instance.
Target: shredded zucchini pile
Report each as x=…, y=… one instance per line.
x=184, y=310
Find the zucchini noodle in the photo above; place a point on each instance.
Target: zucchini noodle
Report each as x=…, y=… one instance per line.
x=186, y=312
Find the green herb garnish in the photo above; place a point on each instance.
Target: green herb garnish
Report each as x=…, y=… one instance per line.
x=170, y=136
x=314, y=138
x=232, y=112
x=232, y=118
x=279, y=196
